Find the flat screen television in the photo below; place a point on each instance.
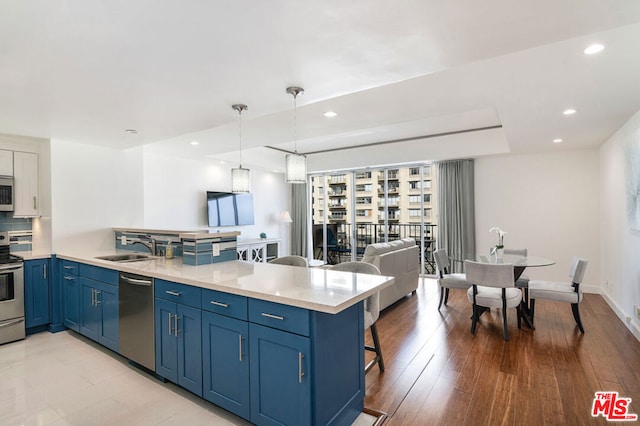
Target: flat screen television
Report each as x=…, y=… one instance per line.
x=228, y=209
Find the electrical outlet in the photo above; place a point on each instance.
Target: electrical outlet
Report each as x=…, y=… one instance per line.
x=636, y=308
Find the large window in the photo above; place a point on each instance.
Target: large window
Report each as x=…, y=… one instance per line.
x=365, y=207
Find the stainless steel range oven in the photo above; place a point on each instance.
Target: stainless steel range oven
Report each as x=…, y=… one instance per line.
x=11, y=294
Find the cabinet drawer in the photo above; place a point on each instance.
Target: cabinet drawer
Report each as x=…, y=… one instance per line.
x=282, y=317
x=179, y=293
x=69, y=267
x=230, y=305
x=97, y=273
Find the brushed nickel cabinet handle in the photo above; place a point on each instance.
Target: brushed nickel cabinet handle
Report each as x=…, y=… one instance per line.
x=45, y=271
x=69, y=278
x=97, y=299
x=173, y=293
x=175, y=325
x=169, y=323
x=224, y=305
x=300, y=373
x=35, y=206
x=240, y=346
x=278, y=317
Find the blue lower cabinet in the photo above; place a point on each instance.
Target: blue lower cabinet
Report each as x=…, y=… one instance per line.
x=179, y=344
x=71, y=302
x=225, y=357
x=90, y=310
x=99, y=312
x=109, y=330
x=70, y=289
x=37, y=293
x=280, y=377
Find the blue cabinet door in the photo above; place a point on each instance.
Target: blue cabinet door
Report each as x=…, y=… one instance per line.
x=107, y=299
x=225, y=363
x=178, y=331
x=280, y=377
x=166, y=341
x=71, y=302
x=36, y=297
x=90, y=312
x=189, y=331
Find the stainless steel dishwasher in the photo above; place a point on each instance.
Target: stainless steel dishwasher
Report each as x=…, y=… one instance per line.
x=137, y=336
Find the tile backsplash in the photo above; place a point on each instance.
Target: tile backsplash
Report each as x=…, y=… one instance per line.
x=19, y=230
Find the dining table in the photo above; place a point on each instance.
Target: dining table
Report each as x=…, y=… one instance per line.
x=520, y=263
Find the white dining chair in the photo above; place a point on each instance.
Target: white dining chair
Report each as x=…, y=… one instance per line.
x=371, y=309
x=492, y=286
x=446, y=279
x=291, y=261
x=522, y=281
x=561, y=292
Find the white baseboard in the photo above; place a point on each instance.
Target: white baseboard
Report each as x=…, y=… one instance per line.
x=633, y=326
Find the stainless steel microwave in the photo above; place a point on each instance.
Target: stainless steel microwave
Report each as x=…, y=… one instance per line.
x=6, y=193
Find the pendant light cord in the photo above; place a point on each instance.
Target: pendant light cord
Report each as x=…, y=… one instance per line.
x=240, y=133
x=239, y=108
x=295, y=123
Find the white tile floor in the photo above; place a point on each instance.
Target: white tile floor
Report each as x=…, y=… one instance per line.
x=65, y=379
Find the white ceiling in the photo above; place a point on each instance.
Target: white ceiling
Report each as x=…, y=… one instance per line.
x=84, y=71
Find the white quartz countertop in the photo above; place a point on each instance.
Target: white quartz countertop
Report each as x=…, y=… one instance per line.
x=316, y=289
x=32, y=255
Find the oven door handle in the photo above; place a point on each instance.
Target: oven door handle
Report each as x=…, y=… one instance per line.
x=12, y=322
x=10, y=268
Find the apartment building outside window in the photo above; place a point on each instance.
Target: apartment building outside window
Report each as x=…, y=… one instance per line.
x=399, y=206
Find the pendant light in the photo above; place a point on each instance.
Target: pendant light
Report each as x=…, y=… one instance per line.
x=296, y=164
x=240, y=177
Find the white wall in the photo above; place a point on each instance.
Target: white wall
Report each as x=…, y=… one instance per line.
x=620, y=244
x=93, y=189
x=175, y=196
x=547, y=203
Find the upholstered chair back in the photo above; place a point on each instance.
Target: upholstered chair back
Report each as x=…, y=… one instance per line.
x=489, y=274
x=291, y=261
x=578, y=267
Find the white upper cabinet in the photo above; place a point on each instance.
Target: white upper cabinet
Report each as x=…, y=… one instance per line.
x=26, y=185
x=6, y=163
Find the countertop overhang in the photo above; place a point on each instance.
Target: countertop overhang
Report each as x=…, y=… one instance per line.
x=317, y=289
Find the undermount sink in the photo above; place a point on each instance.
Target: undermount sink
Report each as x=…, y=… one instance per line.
x=122, y=258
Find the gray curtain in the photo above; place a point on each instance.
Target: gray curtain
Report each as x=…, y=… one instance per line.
x=456, y=210
x=298, y=241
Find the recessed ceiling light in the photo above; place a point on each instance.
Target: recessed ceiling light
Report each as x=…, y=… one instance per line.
x=558, y=140
x=569, y=111
x=194, y=143
x=593, y=49
x=222, y=162
x=131, y=131
x=330, y=114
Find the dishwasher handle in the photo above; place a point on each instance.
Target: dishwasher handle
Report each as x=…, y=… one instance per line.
x=135, y=281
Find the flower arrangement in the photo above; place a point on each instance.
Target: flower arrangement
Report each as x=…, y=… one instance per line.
x=500, y=233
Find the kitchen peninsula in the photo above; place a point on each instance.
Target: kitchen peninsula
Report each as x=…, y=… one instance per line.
x=270, y=343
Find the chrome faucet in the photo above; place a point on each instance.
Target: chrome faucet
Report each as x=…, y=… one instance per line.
x=151, y=245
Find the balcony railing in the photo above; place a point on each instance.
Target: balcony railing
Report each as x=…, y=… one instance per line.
x=339, y=239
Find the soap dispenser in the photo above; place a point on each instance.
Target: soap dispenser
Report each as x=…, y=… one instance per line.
x=169, y=251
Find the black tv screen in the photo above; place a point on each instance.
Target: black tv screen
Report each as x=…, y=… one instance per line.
x=228, y=209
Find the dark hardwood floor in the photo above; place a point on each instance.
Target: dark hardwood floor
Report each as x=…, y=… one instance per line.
x=437, y=372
